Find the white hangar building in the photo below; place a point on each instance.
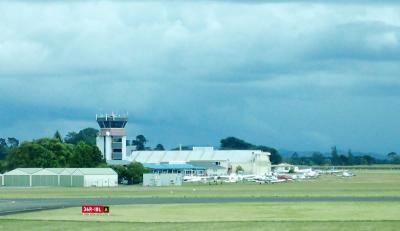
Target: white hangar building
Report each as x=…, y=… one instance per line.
x=112, y=142
x=252, y=161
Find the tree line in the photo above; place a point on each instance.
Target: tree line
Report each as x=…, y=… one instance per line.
x=233, y=143
x=52, y=152
x=75, y=150
x=337, y=158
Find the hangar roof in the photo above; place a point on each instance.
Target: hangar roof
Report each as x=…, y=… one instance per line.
x=94, y=171
x=66, y=171
x=206, y=164
x=172, y=166
x=118, y=162
x=60, y=170
x=192, y=155
x=23, y=171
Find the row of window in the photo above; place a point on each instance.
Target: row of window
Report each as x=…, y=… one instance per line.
x=112, y=124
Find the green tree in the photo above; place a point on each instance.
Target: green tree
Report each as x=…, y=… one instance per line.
x=86, y=156
x=140, y=142
x=3, y=166
x=335, y=160
x=57, y=136
x=12, y=142
x=239, y=169
x=62, y=151
x=87, y=135
x=159, y=147
x=233, y=143
x=141, y=139
x=121, y=171
x=3, y=142
x=391, y=155
x=275, y=157
x=134, y=172
x=318, y=158
x=20, y=157
x=72, y=138
x=295, y=159
x=42, y=153
x=343, y=160
x=368, y=159
x=3, y=149
x=350, y=158
x=394, y=158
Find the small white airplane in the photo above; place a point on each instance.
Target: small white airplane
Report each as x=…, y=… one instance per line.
x=332, y=171
x=269, y=179
x=232, y=178
x=308, y=172
x=347, y=174
x=197, y=178
x=344, y=173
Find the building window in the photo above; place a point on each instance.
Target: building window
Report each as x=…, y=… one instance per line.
x=117, y=139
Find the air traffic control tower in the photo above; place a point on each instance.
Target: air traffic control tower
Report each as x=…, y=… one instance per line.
x=111, y=139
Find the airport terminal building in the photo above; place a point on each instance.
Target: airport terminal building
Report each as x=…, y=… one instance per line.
x=115, y=148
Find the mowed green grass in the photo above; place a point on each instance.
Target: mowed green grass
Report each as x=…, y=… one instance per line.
x=280, y=216
x=216, y=212
x=366, y=183
x=202, y=226
x=221, y=216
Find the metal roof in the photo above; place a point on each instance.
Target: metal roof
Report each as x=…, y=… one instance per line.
x=282, y=165
x=94, y=171
x=60, y=170
x=206, y=164
x=118, y=162
x=67, y=171
x=192, y=155
x=57, y=171
x=23, y=171
x=45, y=171
x=172, y=166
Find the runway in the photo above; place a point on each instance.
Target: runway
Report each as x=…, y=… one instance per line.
x=13, y=206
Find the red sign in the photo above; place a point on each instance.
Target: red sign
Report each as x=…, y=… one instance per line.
x=95, y=209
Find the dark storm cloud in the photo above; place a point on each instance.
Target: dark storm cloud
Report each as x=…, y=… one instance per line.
x=194, y=72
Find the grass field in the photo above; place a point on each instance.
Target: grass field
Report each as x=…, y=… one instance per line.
x=226, y=216
x=366, y=183
x=282, y=211
x=206, y=226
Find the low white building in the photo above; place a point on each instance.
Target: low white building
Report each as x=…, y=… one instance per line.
x=95, y=177
x=283, y=168
x=252, y=161
x=64, y=177
x=162, y=179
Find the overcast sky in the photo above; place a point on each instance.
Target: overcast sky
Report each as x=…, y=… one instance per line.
x=299, y=75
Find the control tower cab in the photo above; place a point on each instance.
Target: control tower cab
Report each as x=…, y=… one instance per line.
x=111, y=139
